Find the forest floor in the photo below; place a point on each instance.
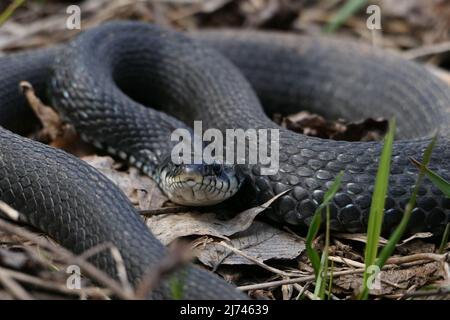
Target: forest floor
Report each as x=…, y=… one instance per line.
x=262, y=260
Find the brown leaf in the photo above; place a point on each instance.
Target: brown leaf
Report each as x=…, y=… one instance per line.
x=54, y=131
x=140, y=189
x=393, y=280
x=168, y=227
x=260, y=241
x=315, y=125
x=52, y=126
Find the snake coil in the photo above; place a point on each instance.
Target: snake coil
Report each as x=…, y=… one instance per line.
x=102, y=81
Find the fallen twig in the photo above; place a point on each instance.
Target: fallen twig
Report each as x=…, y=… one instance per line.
x=14, y=288
x=70, y=258
x=428, y=50
x=169, y=210
x=48, y=285
x=257, y=262
x=8, y=211
x=120, y=265
x=439, y=292
x=294, y=280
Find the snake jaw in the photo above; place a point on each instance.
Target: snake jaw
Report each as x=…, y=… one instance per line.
x=199, y=184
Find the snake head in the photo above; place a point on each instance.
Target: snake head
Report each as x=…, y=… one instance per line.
x=199, y=184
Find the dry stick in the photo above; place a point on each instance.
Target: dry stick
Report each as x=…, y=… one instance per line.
x=309, y=294
x=393, y=261
x=257, y=262
x=294, y=280
x=8, y=211
x=169, y=210
x=69, y=257
x=15, y=288
x=346, y=261
x=304, y=291
x=280, y=272
x=117, y=257
x=417, y=257
x=424, y=256
x=438, y=292
x=427, y=50
x=26, y=278
x=121, y=270
x=446, y=268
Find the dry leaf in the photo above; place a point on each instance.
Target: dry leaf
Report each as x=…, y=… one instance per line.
x=169, y=227
x=393, y=280
x=260, y=241
x=140, y=189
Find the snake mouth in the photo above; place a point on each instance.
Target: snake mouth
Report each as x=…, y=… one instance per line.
x=199, y=184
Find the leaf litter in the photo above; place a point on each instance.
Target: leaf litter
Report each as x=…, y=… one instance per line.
x=257, y=239
x=406, y=25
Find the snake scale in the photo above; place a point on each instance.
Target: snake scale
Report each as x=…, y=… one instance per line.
x=103, y=81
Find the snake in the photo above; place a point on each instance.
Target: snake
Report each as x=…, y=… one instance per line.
x=125, y=86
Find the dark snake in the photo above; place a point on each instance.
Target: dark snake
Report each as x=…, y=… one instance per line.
x=101, y=81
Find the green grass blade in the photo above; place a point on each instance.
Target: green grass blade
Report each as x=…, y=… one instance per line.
x=313, y=255
x=346, y=11
x=398, y=233
x=177, y=283
x=436, y=179
x=8, y=12
x=319, y=291
x=316, y=221
x=444, y=240
x=377, y=205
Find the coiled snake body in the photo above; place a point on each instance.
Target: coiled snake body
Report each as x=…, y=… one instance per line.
x=101, y=81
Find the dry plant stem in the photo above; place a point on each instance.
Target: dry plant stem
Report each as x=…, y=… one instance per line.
x=169, y=210
x=270, y=284
x=304, y=291
x=347, y=262
x=393, y=261
x=69, y=258
x=121, y=270
x=257, y=262
x=9, y=212
x=417, y=257
x=13, y=287
x=35, y=281
x=427, y=50
x=309, y=294
x=438, y=292
x=120, y=265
